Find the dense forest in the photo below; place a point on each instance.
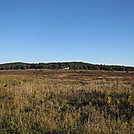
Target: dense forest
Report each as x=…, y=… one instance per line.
x=62, y=65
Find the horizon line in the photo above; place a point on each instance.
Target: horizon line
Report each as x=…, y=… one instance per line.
x=65, y=61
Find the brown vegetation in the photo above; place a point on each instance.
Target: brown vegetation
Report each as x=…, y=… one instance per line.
x=66, y=102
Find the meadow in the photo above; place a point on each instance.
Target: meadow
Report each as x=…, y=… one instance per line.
x=66, y=102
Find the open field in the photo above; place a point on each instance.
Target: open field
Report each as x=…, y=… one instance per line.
x=66, y=102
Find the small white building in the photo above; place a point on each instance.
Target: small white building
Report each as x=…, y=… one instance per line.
x=66, y=68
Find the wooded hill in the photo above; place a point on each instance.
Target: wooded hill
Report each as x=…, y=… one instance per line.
x=62, y=65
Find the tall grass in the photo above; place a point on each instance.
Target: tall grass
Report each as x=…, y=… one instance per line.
x=65, y=105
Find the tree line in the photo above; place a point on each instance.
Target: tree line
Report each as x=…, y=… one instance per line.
x=62, y=65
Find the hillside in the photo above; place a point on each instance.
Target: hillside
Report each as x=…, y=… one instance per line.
x=62, y=65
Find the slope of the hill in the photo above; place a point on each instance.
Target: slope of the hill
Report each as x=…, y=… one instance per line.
x=63, y=65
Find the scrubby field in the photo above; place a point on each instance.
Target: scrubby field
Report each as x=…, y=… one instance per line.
x=66, y=102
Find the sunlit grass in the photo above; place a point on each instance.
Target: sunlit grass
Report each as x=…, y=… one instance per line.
x=61, y=104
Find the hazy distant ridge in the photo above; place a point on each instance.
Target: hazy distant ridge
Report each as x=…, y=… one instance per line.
x=62, y=65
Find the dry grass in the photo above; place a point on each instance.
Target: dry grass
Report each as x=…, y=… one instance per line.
x=66, y=104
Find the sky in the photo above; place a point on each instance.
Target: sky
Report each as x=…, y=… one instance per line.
x=93, y=31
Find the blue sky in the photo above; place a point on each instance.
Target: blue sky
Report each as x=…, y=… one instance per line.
x=94, y=31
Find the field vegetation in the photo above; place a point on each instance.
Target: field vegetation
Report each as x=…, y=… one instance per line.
x=66, y=102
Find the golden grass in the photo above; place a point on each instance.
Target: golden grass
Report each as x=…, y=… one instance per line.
x=66, y=104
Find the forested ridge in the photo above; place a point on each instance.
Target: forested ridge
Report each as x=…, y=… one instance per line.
x=62, y=65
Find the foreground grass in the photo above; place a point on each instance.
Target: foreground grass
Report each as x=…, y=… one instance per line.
x=65, y=105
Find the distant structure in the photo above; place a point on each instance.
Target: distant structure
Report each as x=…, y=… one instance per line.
x=65, y=67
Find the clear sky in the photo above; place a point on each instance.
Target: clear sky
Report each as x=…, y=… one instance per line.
x=94, y=31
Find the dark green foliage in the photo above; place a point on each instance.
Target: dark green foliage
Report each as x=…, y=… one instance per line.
x=61, y=65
